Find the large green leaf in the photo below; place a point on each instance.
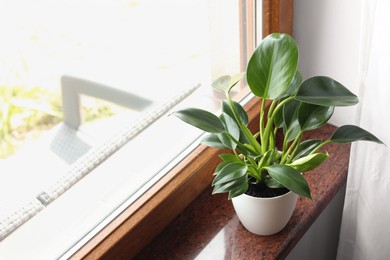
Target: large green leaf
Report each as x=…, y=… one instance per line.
x=311, y=116
x=309, y=162
x=225, y=83
x=201, y=119
x=350, y=133
x=290, y=178
x=325, y=91
x=294, y=86
x=272, y=66
x=213, y=140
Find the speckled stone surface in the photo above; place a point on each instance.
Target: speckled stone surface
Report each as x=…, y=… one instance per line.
x=210, y=229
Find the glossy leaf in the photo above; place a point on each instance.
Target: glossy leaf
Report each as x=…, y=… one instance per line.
x=241, y=113
x=325, y=91
x=306, y=147
x=291, y=126
x=230, y=158
x=271, y=183
x=220, y=167
x=350, y=133
x=242, y=188
x=231, y=171
x=290, y=178
x=294, y=86
x=213, y=140
x=230, y=186
x=311, y=116
x=272, y=66
x=232, y=128
x=201, y=119
x=309, y=162
x=225, y=83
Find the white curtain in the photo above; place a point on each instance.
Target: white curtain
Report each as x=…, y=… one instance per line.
x=365, y=229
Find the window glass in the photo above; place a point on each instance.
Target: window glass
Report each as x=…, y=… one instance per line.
x=156, y=52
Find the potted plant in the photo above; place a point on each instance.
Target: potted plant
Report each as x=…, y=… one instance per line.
x=255, y=167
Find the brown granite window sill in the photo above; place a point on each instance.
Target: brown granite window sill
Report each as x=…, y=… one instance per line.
x=210, y=224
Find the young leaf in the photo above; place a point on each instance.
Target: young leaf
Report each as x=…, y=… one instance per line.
x=225, y=83
x=311, y=117
x=272, y=66
x=309, y=162
x=201, y=119
x=325, y=91
x=290, y=178
x=350, y=133
x=212, y=140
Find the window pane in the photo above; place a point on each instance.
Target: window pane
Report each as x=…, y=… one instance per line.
x=149, y=49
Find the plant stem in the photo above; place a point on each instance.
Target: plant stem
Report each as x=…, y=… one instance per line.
x=293, y=145
x=271, y=117
x=295, y=148
x=320, y=145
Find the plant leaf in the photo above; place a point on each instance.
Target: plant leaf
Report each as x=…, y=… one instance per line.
x=272, y=66
x=230, y=158
x=242, y=115
x=239, y=190
x=294, y=86
x=291, y=126
x=306, y=147
x=309, y=162
x=350, y=133
x=271, y=183
x=232, y=128
x=311, y=116
x=325, y=91
x=230, y=172
x=229, y=186
x=201, y=119
x=225, y=83
x=212, y=140
x=290, y=178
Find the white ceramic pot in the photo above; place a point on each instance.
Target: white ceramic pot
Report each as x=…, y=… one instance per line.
x=265, y=216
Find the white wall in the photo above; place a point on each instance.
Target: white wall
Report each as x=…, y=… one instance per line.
x=328, y=36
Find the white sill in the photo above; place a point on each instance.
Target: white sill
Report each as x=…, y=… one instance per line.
x=69, y=218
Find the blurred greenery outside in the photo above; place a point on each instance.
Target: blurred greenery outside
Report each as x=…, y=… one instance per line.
x=33, y=56
x=26, y=112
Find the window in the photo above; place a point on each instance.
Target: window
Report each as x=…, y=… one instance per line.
x=65, y=208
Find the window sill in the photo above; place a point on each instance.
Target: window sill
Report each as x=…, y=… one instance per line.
x=209, y=225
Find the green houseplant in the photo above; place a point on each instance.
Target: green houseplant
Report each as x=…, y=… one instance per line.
x=294, y=106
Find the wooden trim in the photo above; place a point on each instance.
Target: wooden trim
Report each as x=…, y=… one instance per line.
x=132, y=230
x=278, y=16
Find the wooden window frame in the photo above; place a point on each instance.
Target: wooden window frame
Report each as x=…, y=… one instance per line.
x=137, y=225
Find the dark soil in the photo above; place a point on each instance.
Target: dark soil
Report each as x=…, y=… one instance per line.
x=262, y=191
